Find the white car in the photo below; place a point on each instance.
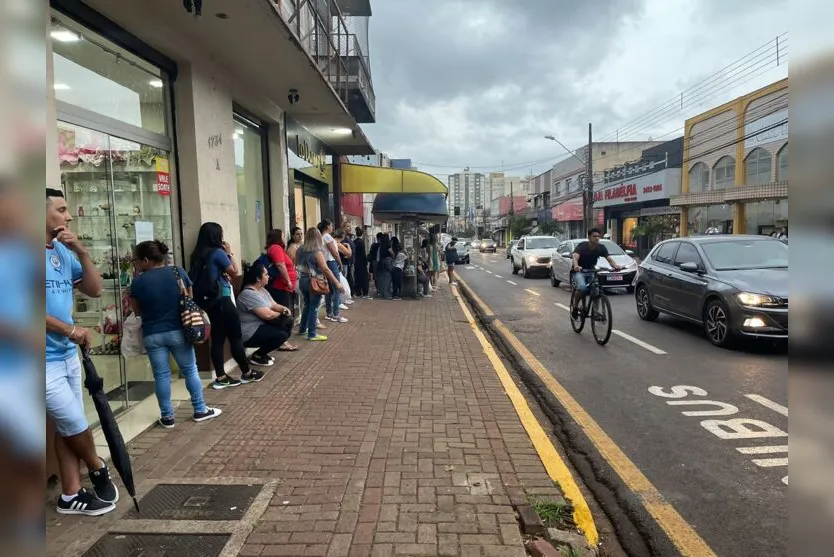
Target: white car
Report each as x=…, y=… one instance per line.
x=532, y=254
x=562, y=265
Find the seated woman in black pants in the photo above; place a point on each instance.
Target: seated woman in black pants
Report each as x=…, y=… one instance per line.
x=265, y=324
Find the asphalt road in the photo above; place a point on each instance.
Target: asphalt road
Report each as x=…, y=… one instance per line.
x=737, y=506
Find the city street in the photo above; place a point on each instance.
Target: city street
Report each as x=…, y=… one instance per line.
x=728, y=480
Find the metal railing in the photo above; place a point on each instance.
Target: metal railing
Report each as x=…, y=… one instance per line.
x=325, y=34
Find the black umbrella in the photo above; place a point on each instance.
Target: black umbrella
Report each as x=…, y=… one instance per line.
x=115, y=441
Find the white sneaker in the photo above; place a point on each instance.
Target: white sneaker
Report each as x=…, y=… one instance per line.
x=342, y=306
x=340, y=319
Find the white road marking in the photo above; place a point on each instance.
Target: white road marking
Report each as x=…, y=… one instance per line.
x=488, y=271
x=498, y=276
x=533, y=292
x=513, y=283
x=769, y=404
x=763, y=450
x=470, y=267
x=770, y=462
x=563, y=306
x=638, y=342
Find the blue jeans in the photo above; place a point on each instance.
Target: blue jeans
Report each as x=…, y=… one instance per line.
x=309, y=308
x=160, y=347
x=334, y=299
x=582, y=280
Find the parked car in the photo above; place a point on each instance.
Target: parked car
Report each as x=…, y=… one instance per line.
x=476, y=244
x=734, y=286
x=463, y=252
x=560, y=270
x=488, y=246
x=532, y=254
x=510, y=247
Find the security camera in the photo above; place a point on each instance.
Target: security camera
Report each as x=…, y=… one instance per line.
x=292, y=96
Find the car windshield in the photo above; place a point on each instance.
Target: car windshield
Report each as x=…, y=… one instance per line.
x=612, y=247
x=540, y=243
x=746, y=254
x=489, y=242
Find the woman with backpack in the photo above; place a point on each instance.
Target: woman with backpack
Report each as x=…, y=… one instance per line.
x=155, y=296
x=212, y=262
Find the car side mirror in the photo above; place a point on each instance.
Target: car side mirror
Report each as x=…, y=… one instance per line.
x=689, y=267
x=629, y=252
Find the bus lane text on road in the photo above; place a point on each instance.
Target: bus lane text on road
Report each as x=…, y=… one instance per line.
x=731, y=429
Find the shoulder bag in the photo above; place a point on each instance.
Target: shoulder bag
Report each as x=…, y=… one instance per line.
x=195, y=324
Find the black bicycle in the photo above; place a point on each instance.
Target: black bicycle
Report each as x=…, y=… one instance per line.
x=594, y=305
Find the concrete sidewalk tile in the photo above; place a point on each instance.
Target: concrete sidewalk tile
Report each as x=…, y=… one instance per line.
x=393, y=438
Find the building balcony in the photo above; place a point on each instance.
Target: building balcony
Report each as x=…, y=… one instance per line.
x=335, y=35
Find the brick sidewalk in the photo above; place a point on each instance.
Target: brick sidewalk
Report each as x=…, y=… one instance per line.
x=393, y=438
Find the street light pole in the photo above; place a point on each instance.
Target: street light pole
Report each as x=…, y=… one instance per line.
x=589, y=185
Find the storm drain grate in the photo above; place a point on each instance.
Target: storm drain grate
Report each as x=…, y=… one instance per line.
x=158, y=545
x=196, y=502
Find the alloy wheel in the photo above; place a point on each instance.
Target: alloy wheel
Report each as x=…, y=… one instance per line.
x=716, y=324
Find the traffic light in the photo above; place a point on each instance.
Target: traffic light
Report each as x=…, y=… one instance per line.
x=457, y=211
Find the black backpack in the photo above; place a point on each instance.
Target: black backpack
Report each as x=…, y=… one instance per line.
x=206, y=291
x=271, y=268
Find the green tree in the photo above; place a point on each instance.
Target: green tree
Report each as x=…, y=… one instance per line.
x=550, y=227
x=518, y=225
x=653, y=230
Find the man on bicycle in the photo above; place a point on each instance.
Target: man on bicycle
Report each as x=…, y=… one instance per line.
x=585, y=258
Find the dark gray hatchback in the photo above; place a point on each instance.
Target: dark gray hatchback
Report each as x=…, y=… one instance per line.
x=733, y=285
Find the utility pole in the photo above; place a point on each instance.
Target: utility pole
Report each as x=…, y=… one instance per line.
x=588, y=205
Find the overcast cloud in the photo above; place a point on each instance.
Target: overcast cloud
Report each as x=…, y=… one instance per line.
x=478, y=82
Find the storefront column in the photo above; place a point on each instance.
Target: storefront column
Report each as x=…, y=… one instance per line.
x=279, y=183
x=53, y=167
x=684, y=227
x=337, y=191
x=205, y=131
x=739, y=220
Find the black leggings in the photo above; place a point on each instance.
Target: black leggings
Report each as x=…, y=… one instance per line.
x=270, y=336
x=225, y=324
x=281, y=296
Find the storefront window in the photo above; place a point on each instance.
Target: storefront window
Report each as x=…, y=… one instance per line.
x=782, y=164
x=698, y=178
x=724, y=173
x=629, y=225
x=251, y=188
x=93, y=74
x=119, y=194
x=758, y=167
x=766, y=217
x=711, y=219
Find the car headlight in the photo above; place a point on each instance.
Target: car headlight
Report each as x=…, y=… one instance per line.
x=532, y=258
x=756, y=300
x=631, y=266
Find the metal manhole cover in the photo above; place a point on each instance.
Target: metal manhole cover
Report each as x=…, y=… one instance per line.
x=158, y=545
x=196, y=502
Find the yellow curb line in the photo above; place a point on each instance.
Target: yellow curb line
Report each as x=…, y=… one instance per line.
x=553, y=463
x=680, y=532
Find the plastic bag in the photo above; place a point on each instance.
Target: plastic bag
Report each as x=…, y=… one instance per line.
x=346, y=294
x=132, y=344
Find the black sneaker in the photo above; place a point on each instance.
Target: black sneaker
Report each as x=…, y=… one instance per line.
x=225, y=381
x=252, y=377
x=261, y=361
x=84, y=503
x=103, y=485
x=167, y=423
x=207, y=415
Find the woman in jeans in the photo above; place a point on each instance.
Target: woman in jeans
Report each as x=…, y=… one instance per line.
x=155, y=296
x=310, y=262
x=214, y=257
x=296, y=237
x=265, y=324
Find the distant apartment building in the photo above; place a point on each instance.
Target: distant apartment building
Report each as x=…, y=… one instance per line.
x=467, y=193
x=502, y=185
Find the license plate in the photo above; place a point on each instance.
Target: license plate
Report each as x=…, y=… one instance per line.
x=615, y=277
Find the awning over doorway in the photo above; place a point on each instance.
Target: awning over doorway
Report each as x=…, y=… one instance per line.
x=357, y=178
x=417, y=207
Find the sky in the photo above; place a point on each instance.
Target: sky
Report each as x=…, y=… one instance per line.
x=479, y=83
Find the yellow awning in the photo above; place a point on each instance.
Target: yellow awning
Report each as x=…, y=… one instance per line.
x=357, y=178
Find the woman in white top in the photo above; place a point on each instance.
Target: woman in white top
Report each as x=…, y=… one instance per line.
x=400, y=257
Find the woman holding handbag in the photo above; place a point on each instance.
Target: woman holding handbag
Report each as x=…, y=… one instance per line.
x=315, y=280
x=155, y=296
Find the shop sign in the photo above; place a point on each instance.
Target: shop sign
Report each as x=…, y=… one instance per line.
x=569, y=211
x=306, y=147
x=649, y=187
x=657, y=211
x=163, y=177
x=767, y=129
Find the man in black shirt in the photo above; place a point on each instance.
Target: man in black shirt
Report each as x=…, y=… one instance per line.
x=585, y=258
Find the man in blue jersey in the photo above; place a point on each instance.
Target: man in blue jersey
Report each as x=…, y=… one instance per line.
x=69, y=266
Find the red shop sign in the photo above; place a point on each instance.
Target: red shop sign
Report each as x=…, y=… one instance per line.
x=163, y=183
x=569, y=211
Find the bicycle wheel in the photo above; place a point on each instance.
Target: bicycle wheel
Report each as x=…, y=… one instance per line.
x=601, y=319
x=578, y=323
